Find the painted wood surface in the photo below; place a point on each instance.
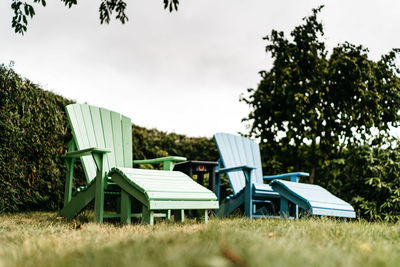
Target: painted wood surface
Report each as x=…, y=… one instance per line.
x=236, y=151
x=314, y=199
x=102, y=128
x=239, y=152
x=165, y=185
x=103, y=141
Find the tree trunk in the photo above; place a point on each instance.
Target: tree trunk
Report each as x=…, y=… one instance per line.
x=312, y=175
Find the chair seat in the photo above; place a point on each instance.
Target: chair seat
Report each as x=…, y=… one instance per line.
x=259, y=191
x=263, y=190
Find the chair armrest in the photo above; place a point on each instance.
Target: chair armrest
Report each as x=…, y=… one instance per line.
x=168, y=162
x=86, y=152
x=293, y=176
x=159, y=160
x=246, y=171
x=237, y=168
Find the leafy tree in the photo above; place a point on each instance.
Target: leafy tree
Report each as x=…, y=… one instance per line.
x=23, y=10
x=312, y=103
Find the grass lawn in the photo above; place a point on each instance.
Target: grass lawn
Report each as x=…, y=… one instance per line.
x=42, y=239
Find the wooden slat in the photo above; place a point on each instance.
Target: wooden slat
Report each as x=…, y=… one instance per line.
x=87, y=120
x=180, y=196
x=82, y=142
x=117, y=139
x=263, y=187
x=127, y=141
x=160, y=204
x=98, y=131
x=337, y=213
x=236, y=151
x=327, y=205
x=108, y=135
x=229, y=159
x=180, y=183
x=239, y=154
x=254, y=150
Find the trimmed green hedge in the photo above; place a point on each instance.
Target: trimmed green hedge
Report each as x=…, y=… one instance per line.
x=34, y=132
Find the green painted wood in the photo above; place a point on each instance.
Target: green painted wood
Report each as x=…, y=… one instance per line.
x=108, y=135
x=160, y=215
x=168, y=162
x=68, y=181
x=104, y=141
x=121, y=181
x=98, y=131
x=127, y=141
x=70, y=173
x=78, y=202
x=76, y=131
x=148, y=216
x=99, y=194
x=117, y=139
x=111, y=215
x=125, y=207
x=191, y=196
x=159, y=185
x=185, y=205
x=82, y=142
x=86, y=152
x=87, y=119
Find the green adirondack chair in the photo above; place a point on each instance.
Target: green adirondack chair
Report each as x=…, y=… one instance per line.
x=102, y=139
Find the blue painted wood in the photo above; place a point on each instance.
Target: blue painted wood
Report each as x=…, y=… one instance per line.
x=236, y=151
x=238, y=154
x=314, y=199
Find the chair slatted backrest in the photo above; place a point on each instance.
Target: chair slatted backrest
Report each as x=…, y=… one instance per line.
x=102, y=128
x=235, y=151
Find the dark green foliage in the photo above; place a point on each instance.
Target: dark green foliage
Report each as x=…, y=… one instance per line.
x=33, y=134
x=315, y=109
x=308, y=98
x=368, y=178
x=34, y=131
x=23, y=10
x=152, y=143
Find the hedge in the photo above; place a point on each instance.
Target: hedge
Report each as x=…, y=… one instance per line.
x=34, y=131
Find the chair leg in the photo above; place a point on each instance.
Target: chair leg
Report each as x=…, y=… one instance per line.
x=169, y=214
x=125, y=207
x=248, y=208
x=99, y=201
x=148, y=216
x=284, y=208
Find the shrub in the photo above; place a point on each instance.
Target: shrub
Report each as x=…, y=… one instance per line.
x=34, y=131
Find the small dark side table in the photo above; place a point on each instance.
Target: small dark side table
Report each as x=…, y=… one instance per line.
x=199, y=168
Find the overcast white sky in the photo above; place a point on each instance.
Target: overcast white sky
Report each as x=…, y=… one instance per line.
x=178, y=72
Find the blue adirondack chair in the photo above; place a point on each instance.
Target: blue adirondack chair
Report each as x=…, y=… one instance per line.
x=240, y=160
